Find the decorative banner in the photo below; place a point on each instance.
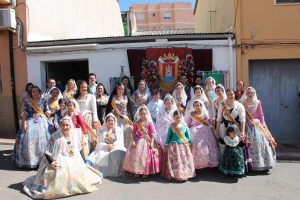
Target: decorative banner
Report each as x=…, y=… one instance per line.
x=164, y=65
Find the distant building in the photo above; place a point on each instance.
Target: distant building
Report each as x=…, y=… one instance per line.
x=162, y=16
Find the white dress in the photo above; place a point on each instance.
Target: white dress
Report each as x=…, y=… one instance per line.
x=72, y=175
x=110, y=163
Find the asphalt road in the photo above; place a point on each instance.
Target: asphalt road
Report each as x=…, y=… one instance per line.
x=283, y=184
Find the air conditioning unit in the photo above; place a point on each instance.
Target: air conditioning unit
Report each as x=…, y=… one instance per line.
x=8, y=19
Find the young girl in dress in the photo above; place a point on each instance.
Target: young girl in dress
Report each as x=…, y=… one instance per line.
x=164, y=119
x=205, y=148
x=180, y=97
x=60, y=113
x=178, y=161
x=232, y=161
x=143, y=156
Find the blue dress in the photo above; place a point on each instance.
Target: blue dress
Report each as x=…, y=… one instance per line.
x=30, y=144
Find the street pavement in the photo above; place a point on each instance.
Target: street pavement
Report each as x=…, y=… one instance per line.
x=282, y=184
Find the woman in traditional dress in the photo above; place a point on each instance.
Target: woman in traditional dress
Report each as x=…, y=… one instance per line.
x=180, y=97
x=102, y=100
x=205, y=149
x=118, y=103
x=178, y=161
x=62, y=171
x=263, y=145
x=70, y=90
x=141, y=96
x=230, y=112
x=232, y=161
x=32, y=138
x=26, y=94
x=88, y=109
x=143, y=156
x=53, y=106
x=164, y=119
x=198, y=95
x=221, y=97
x=108, y=157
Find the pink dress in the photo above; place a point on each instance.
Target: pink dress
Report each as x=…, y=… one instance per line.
x=141, y=158
x=205, y=149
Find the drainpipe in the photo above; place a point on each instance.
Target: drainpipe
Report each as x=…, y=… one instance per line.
x=13, y=83
x=231, y=66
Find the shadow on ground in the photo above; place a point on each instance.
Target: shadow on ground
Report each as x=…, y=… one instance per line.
x=6, y=161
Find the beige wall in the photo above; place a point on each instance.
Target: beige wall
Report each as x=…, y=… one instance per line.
x=7, y=128
x=266, y=31
x=214, y=16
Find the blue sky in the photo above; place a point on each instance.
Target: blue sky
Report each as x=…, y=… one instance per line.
x=125, y=4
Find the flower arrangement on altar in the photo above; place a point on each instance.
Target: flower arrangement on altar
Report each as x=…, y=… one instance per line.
x=150, y=73
x=187, y=67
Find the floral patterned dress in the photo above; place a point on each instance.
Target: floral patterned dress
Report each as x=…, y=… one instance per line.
x=70, y=178
x=264, y=157
x=30, y=144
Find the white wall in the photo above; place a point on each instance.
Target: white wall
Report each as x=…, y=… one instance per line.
x=66, y=19
x=105, y=60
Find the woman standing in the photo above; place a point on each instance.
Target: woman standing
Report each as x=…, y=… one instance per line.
x=205, y=149
x=109, y=154
x=70, y=90
x=180, y=97
x=32, y=138
x=164, y=119
x=263, y=145
x=143, y=156
x=141, y=96
x=210, y=85
x=88, y=109
x=118, y=103
x=62, y=171
x=53, y=103
x=239, y=90
x=102, y=100
x=127, y=85
x=230, y=112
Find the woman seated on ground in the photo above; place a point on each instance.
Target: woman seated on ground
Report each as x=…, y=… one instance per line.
x=109, y=154
x=62, y=171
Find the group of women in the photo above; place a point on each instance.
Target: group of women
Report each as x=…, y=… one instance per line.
x=75, y=138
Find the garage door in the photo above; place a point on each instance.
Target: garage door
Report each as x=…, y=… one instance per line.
x=278, y=87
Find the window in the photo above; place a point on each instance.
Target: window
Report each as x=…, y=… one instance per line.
x=154, y=29
x=287, y=1
x=167, y=15
x=140, y=16
x=153, y=14
x=168, y=27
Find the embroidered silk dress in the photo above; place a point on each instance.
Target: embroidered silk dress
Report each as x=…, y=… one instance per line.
x=178, y=161
x=127, y=129
x=205, y=149
x=70, y=178
x=264, y=157
x=30, y=145
x=110, y=163
x=141, y=158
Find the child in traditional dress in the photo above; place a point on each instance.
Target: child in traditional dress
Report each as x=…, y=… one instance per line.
x=143, y=156
x=232, y=161
x=205, y=149
x=178, y=161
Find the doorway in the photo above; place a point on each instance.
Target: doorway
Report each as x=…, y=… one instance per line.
x=62, y=71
